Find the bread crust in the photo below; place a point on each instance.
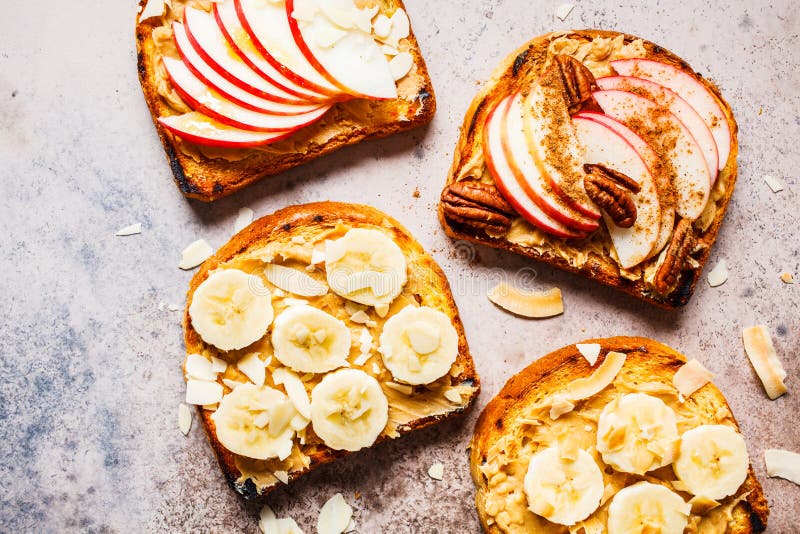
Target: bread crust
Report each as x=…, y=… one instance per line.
x=209, y=179
x=304, y=220
x=508, y=75
x=549, y=373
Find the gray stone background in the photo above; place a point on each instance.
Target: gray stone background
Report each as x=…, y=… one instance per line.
x=90, y=365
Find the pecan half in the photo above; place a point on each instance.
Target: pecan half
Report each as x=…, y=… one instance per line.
x=477, y=205
x=622, y=179
x=579, y=83
x=678, y=250
x=614, y=199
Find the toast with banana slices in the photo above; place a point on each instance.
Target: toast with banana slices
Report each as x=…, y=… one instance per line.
x=638, y=440
x=599, y=153
x=316, y=331
x=243, y=89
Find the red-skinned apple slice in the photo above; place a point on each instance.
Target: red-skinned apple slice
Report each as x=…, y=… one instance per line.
x=506, y=182
x=239, y=40
x=691, y=177
x=266, y=23
x=200, y=98
x=348, y=58
x=554, y=147
x=650, y=158
x=529, y=176
x=605, y=147
x=691, y=90
x=200, y=129
x=676, y=105
x=212, y=78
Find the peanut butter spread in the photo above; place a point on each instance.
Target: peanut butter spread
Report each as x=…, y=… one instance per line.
x=428, y=400
x=507, y=461
x=342, y=118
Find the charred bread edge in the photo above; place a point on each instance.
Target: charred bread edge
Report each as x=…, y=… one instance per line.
x=751, y=513
x=282, y=224
x=507, y=72
x=211, y=179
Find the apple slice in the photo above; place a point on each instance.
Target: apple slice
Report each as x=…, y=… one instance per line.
x=239, y=40
x=506, y=182
x=201, y=98
x=605, y=147
x=677, y=106
x=553, y=144
x=529, y=176
x=671, y=139
x=200, y=129
x=267, y=24
x=703, y=101
x=663, y=183
x=342, y=52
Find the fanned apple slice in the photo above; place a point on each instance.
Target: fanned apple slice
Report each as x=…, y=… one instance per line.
x=266, y=23
x=666, y=196
x=200, y=129
x=603, y=146
x=209, y=42
x=673, y=140
x=201, y=98
x=676, y=105
x=529, y=176
x=345, y=54
x=507, y=183
x=239, y=40
x=691, y=90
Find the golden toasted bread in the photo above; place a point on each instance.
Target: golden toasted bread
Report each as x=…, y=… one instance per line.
x=515, y=421
x=590, y=257
x=208, y=173
x=289, y=236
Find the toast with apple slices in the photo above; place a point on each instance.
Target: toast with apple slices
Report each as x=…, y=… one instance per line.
x=574, y=404
x=282, y=310
x=678, y=257
x=210, y=158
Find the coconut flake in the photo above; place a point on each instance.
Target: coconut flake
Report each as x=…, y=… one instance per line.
x=294, y=281
x=773, y=183
x=590, y=351
x=243, y=219
x=436, y=471
x=718, y=275
x=203, y=392
x=195, y=254
x=334, y=516
x=691, y=377
x=184, y=418
x=295, y=389
x=133, y=229
x=563, y=11
x=252, y=366
x=405, y=389
x=783, y=464
x=527, y=303
x=759, y=348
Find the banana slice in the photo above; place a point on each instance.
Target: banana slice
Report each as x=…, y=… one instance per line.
x=647, y=507
x=255, y=422
x=309, y=340
x=348, y=410
x=231, y=309
x=560, y=490
x=712, y=461
x=418, y=345
x=637, y=433
x=365, y=266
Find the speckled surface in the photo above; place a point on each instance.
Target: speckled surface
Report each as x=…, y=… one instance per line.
x=91, y=365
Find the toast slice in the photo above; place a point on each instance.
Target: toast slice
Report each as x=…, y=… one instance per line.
x=290, y=237
x=208, y=173
x=592, y=256
x=513, y=423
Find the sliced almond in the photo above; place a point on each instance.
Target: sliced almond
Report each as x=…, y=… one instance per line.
x=174, y=307
x=382, y=310
x=527, y=303
x=691, y=377
x=360, y=317
x=199, y=367
x=787, y=278
x=702, y=505
x=400, y=65
x=243, y=219
x=453, y=396
x=318, y=256
x=253, y=368
x=218, y=365
x=196, y=253
x=436, y=471
x=202, y=392
x=294, y=281
x=283, y=476
x=773, y=183
x=563, y=11
x=560, y=405
x=590, y=351
x=295, y=389
x=718, y=275
x=759, y=348
x=154, y=8
x=381, y=26
x=405, y=389
x=334, y=516
x=133, y=229
x=184, y=418
x=783, y=464
x=232, y=384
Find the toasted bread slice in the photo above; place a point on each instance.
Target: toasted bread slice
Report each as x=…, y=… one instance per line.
x=289, y=236
x=208, y=173
x=590, y=257
x=506, y=424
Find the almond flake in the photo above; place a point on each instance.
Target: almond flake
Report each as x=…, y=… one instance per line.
x=195, y=254
x=243, y=219
x=283, y=476
x=759, y=348
x=318, y=256
x=382, y=310
x=252, y=366
x=133, y=229
x=359, y=317
x=436, y=471
x=405, y=389
x=773, y=183
x=174, y=307
x=389, y=50
x=787, y=278
x=783, y=464
x=334, y=516
x=718, y=275
x=376, y=368
x=400, y=65
x=199, y=367
x=294, y=281
x=453, y=396
x=218, y=365
x=691, y=377
x=294, y=302
x=184, y=418
x=154, y=8
x=295, y=389
x=201, y=392
x=563, y=11
x=590, y=351
x=381, y=26
x=232, y=384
